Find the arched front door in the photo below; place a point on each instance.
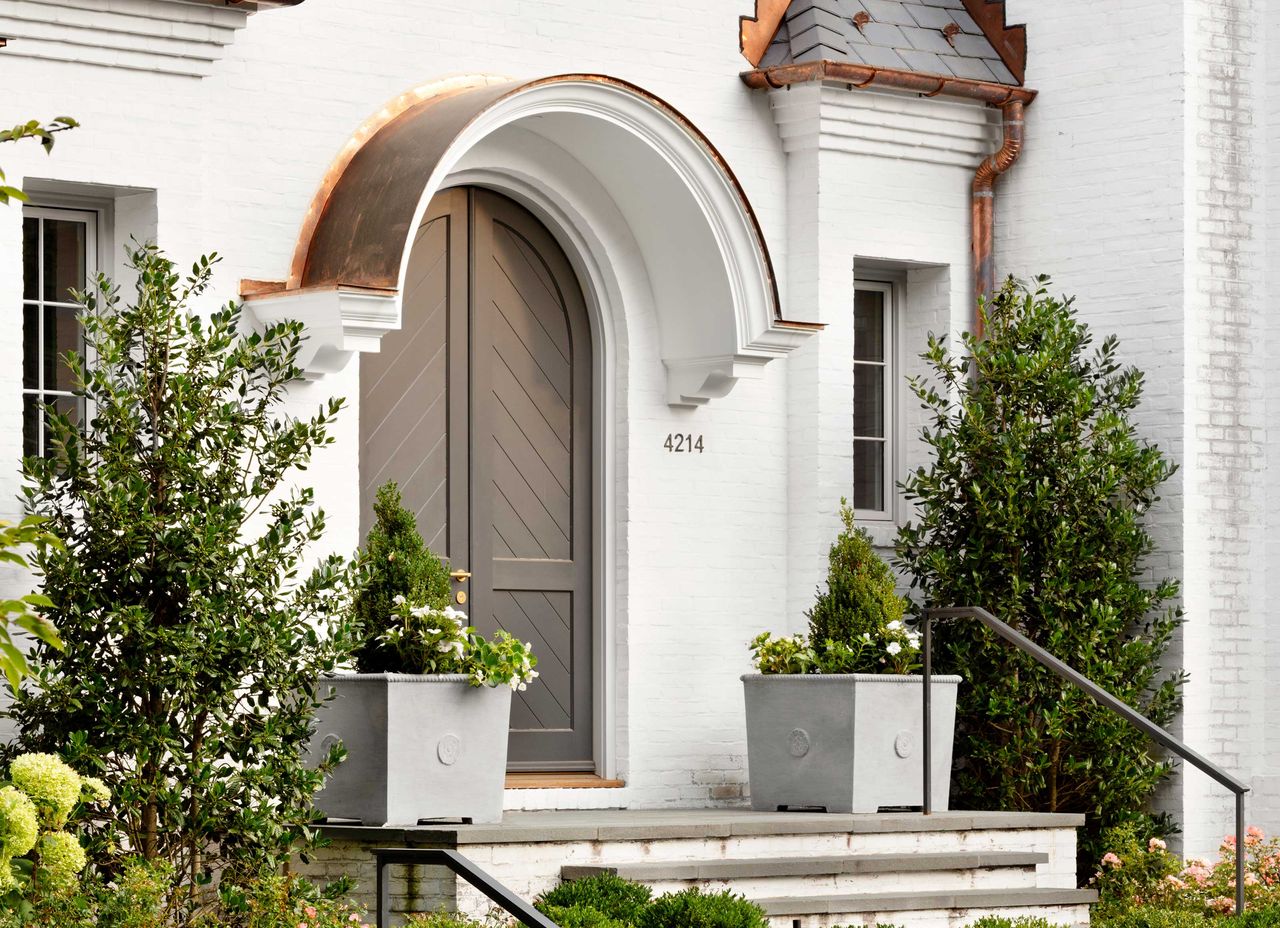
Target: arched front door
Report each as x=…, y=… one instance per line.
x=480, y=408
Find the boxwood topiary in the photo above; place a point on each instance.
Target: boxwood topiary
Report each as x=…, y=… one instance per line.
x=581, y=916
x=609, y=894
x=396, y=562
x=692, y=908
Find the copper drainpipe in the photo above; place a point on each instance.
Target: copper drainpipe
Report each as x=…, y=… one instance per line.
x=984, y=201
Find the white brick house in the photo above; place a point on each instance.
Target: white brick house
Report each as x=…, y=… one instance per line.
x=721, y=237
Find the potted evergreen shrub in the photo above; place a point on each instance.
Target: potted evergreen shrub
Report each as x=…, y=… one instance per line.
x=425, y=717
x=834, y=718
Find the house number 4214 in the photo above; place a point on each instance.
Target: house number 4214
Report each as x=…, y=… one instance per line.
x=680, y=443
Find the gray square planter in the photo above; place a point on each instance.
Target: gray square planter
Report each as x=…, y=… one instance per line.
x=845, y=742
x=419, y=747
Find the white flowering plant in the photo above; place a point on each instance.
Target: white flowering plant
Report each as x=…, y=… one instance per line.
x=857, y=625
x=39, y=856
x=433, y=640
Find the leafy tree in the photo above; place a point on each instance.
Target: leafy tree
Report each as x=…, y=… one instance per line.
x=21, y=612
x=193, y=635
x=1033, y=508
x=396, y=562
x=32, y=129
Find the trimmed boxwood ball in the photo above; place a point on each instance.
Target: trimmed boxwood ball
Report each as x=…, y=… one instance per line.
x=581, y=916
x=609, y=894
x=692, y=908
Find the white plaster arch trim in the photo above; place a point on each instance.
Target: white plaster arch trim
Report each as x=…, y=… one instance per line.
x=706, y=261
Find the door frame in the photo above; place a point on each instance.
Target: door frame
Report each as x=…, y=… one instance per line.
x=602, y=315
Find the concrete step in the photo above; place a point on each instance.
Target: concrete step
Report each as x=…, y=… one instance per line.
x=929, y=900
x=762, y=867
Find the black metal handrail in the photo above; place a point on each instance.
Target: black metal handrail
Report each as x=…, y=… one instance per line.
x=441, y=857
x=1079, y=680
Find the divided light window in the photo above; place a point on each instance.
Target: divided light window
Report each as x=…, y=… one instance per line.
x=873, y=400
x=58, y=251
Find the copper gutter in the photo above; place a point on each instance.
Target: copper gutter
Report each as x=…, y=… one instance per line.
x=1011, y=101
x=862, y=76
x=984, y=201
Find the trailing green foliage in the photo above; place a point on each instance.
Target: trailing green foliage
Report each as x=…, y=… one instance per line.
x=1033, y=508
x=31, y=129
x=396, y=563
x=1155, y=917
x=608, y=894
x=22, y=612
x=692, y=908
x=194, y=636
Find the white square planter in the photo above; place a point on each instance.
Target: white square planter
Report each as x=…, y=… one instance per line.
x=846, y=742
x=420, y=747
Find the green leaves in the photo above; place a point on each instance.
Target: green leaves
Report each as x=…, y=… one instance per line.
x=195, y=623
x=27, y=130
x=1033, y=508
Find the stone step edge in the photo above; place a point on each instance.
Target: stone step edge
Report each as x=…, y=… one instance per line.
x=927, y=899
x=754, y=867
x=745, y=824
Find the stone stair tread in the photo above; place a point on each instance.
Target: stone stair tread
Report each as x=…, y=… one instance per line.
x=756, y=867
x=925, y=900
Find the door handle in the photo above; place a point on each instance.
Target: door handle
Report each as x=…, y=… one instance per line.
x=460, y=575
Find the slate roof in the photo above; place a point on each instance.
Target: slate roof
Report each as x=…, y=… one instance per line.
x=904, y=34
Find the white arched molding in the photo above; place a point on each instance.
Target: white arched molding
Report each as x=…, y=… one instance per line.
x=701, y=260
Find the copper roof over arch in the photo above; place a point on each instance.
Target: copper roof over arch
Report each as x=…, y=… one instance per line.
x=371, y=193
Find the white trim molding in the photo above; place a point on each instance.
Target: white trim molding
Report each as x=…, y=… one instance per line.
x=184, y=39
x=339, y=321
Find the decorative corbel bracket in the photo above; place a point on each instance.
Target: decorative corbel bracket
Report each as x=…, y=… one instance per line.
x=694, y=382
x=339, y=321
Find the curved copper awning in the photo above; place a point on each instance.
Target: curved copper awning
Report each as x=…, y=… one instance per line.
x=359, y=223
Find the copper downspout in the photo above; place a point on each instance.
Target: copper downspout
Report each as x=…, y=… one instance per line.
x=984, y=196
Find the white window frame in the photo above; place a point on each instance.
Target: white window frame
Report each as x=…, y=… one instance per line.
x=891, y=291
x=92, y=220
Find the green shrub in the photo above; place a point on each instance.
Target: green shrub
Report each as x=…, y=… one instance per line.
x=691, y=908
x=607, y=893
x=395, y=562
x=581, y=916
x=1024, y=921
x=1033, y=508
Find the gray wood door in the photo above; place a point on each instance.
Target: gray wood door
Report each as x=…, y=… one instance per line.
x=480, y=407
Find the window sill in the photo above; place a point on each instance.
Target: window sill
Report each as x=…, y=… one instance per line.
x=883, y=533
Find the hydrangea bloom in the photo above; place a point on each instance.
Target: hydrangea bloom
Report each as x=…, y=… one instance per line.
x=18, y=827
x=51, y=784
x=61, y=860
x=95, y=790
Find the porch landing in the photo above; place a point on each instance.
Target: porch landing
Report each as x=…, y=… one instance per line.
x=807, y=870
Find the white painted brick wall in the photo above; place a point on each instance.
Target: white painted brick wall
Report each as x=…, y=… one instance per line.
x=1140, y=191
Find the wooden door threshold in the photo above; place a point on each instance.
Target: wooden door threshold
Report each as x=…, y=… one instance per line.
x=551, y=780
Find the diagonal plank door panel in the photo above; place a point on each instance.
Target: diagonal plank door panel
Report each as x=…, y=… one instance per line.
x=531, y=475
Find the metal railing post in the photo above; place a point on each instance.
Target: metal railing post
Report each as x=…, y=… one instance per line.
x=1239, y=852
x=926, y=653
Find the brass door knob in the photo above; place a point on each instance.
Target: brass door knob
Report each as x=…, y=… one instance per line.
x=460, y=575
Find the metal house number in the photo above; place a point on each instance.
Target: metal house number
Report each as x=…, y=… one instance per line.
x=681, y=443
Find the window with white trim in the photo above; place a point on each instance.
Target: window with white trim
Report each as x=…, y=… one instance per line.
x=873, y=379
x=59, y=252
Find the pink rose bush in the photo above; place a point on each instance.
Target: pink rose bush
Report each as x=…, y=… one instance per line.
x=1135, y=872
